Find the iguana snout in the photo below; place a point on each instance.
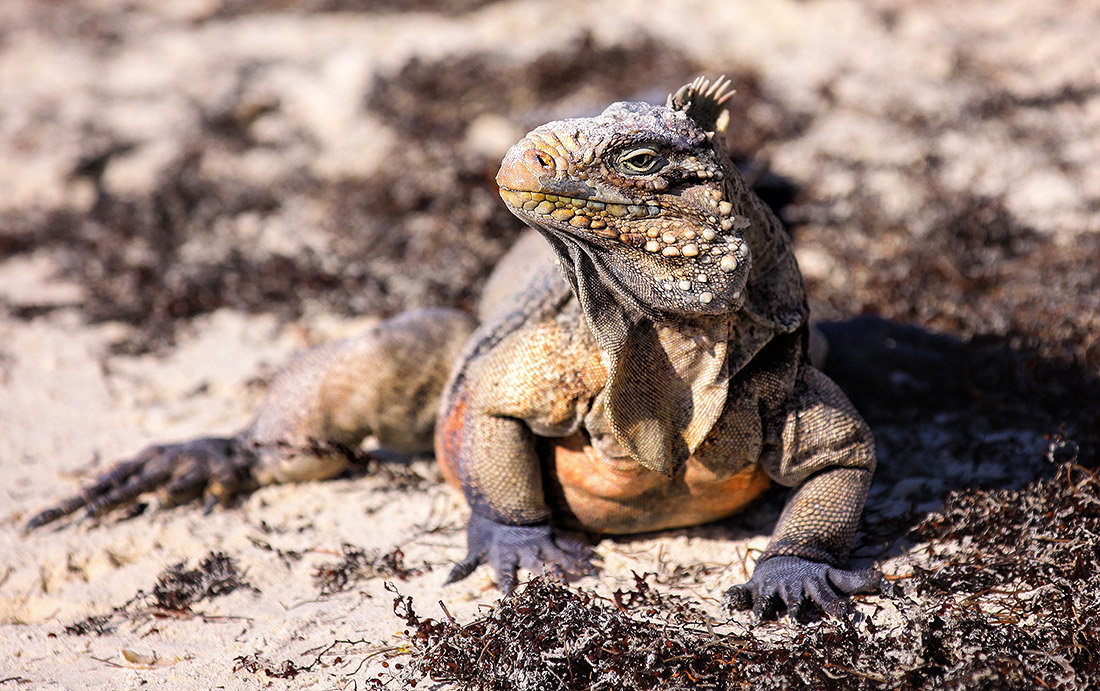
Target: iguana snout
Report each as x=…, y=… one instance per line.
x=526, y=168
x=536, y=166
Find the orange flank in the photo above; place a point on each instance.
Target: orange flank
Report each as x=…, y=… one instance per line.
x=448, y=439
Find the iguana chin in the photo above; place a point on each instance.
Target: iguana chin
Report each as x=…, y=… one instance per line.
x=663, y=383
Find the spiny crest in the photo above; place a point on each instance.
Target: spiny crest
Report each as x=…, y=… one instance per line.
x=704, y=102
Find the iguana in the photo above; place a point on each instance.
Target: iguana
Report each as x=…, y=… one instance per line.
x=640, y=366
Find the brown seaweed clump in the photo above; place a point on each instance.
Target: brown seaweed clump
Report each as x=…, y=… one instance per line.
x=1006, y=595
x=176, y=590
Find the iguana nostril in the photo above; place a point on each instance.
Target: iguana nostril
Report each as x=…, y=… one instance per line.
x=525, y=168
x=540, y=159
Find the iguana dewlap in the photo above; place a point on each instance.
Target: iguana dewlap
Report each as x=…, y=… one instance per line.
x=641, y=365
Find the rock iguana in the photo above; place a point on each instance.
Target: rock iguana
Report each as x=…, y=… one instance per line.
x=642, y=365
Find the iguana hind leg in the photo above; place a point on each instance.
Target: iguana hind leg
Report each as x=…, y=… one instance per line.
x=386, y=382
x=216, y=467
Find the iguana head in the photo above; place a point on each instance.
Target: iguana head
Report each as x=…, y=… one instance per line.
x=641, y=199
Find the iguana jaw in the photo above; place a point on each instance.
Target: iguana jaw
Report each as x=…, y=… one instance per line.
x=580, y=216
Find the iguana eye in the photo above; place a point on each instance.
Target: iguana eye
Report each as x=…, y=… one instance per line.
x=644, y=161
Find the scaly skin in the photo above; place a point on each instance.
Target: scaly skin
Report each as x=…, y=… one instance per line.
x=664, y=382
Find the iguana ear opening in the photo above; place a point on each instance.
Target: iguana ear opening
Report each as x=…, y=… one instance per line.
x=704, y=102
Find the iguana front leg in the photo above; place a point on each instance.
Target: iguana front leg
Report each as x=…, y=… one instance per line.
x=538, y=547
x=827, y=452
x=497, y=466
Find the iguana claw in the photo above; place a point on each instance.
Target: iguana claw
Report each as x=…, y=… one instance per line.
x=796, y=583
x=537, y=548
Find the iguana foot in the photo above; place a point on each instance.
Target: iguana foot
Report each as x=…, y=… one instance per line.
x=796, y=583
x=217, y=468
x=537, y=548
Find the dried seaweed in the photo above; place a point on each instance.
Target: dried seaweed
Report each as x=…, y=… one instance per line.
x=464, y=88
x=176, y=590
x=549, y=636
x=98, y=624
x=358, y=565
x=1004, y=596
x=255, y=664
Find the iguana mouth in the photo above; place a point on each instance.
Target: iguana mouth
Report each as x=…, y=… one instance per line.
x=549, y=204
x=585, y=214
x=647, y=230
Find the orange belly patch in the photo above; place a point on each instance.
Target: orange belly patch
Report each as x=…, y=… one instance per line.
x=620, y=496
x=589, y=492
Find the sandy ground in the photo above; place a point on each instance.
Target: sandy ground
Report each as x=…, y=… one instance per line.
x=854, y=101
